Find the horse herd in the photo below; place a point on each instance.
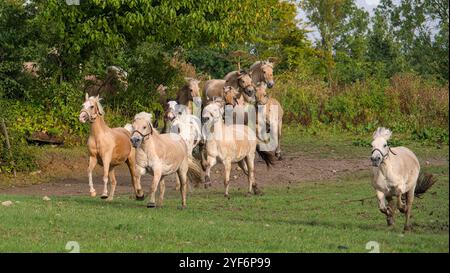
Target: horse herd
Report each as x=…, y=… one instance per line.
x=231, y=121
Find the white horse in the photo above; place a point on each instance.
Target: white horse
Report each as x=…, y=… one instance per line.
x=396, y=173
x=181, y=122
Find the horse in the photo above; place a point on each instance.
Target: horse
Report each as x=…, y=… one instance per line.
x=229, y=144
x=115, y=78
x=239, y=102
x=162, y=99
x=186, y=125
x=272, y=114
x=240, y=80
x=109, y=147
x=188, y=93
x=396, y=173
x=262, y=71
x=161, y=155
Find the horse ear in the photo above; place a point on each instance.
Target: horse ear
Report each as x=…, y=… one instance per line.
x=388, y=134
x=86, y=97
x=100, y=108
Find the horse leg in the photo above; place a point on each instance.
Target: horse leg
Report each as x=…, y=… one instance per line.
x=409, y=202
x=162, y=189
x=211, y=161
x=153, y=188
x=391, y=211
x=178, y=185
x=139, y=193
x=92, y=163
x=278, y=150
x=400, y=205
x=252, y=187
x=112, y=177
x=382, y=203
x=106, y=162
x=243, y=166
x=182, y=175
x=226, y=182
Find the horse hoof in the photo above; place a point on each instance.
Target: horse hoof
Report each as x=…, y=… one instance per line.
x=109, y=199
x=140, y=198
x=407, y=228
x=390, y=222
x=151, y=205
x=93, y=194
x=104, y=196
x=278, y=156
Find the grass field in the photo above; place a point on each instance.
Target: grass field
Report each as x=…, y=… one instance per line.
x=316, y=216
x=306, y=217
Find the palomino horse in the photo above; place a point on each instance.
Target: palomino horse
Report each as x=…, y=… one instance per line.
x=262, y=71
x=396, y=174
x=108, y=147
x=161, y=155
x=272, y=114
x=229, y=144
x=240, y=80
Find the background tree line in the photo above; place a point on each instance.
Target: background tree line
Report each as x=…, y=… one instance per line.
x=389, y=68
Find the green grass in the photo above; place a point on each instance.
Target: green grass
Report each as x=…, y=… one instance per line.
x=304, y=217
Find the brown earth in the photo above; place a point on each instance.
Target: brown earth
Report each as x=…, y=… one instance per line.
x=293, y=168
x=66, y=176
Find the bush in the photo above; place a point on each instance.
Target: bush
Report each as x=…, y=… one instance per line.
x=406, y=103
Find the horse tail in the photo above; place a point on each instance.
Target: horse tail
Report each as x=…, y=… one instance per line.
x=129, y=128
x=268, y=157
x=195, y=171
x=424, y=182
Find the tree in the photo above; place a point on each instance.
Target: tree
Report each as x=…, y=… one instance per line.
x=421, y=27
x=77, y=31
x=383, y=50
x=342, y=27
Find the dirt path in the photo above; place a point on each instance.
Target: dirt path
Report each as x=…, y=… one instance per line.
x=293, y=168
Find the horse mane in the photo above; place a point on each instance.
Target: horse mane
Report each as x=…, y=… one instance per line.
x=97, y=100
x=382, y=132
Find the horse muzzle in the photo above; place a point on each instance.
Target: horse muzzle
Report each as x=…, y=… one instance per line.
x=249, y=91
x=270, y=84
x=83, y=117
x=136, y=141
x=376, y=160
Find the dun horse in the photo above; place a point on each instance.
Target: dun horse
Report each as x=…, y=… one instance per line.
x=262, y=71
x=229, y=144
x=396, y=173
x=161, y=155
x=272, y=114
x=109, y=147
x=240, y=80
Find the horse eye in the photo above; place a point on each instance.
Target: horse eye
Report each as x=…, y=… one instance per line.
x=92, y=107
x=385, y=145
x=145, y=127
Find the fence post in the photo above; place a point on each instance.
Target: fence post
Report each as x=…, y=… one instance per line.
x=8, y=146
